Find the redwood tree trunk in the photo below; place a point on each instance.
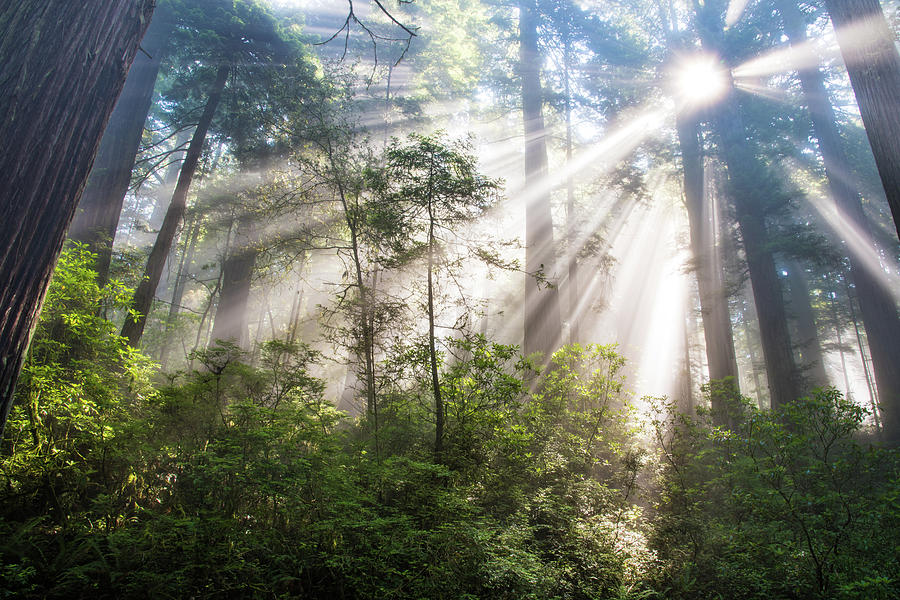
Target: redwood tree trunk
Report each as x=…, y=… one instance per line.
x=543, y=327
x=231, y=322
x=62, y=67
x=879, y=311
x=133, y=328
x=809, y=347
x=751, y=189
x=867, y=46
x=713, y=302
x=97, y=218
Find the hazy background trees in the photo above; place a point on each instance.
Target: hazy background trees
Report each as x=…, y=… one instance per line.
x=372, y=248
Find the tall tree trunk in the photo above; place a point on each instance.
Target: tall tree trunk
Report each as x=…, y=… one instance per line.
x=432, y=350
x=877, y=306
x=810, y=348
x=835, y=317
x=717, y=329
x=751, y=188
x=873, y=64
x=870, y=386
x=133, y=328
x=178, y=291
x=62, y=67
x=231, y=323
x=572, y=242
x=366, y=303
x=97, y=218
x=543, y=327
x=164, y=192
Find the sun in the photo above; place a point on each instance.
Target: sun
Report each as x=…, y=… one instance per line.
x=700, y=80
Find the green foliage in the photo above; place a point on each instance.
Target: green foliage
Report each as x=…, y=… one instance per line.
x=782, y=505
x=429, y=182
x=242, y=480
x=63, y=447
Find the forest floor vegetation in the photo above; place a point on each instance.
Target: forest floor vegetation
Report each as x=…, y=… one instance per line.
x=239, y=479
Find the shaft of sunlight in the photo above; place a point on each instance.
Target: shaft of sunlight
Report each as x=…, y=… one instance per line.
x=811, y=53
x=807, y=55
x=858, y=244
x=764, y=91
x=613, y=147
x=644, y=310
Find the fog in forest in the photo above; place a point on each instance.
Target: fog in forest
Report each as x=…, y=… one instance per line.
x=450, y=299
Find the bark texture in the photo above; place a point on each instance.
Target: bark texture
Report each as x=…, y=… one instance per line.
x=62, y=67
x=543, y=325
x=133, y=328
x=97, y=218
x=873, y=64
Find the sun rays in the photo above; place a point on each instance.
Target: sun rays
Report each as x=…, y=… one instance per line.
x=634, y=281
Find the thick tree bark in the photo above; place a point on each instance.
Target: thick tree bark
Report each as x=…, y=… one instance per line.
x=879, y=311
x=97, y=218
x=62, y=67
x=717, y=329
x=231, y=321
x=873, y=64
x=543, y=327
x=133, y=328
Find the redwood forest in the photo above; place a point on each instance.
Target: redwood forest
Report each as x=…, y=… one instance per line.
x=450, y=299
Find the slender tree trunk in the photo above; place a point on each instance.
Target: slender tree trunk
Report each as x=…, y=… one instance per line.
x=178, y=292
x=840, y=344
x=877, y=306
x=867, y=46
x=432, y=350
x=717, y=329
x=368, y=336
x=366, y=313
x=686, y=399
x=810, y=348
x=164, y=192
x=143, y=296
x=543, y=328
x=204, y=317
x=97, y=218
x=572, y=242
x=751, y=329
x=62, y=66
x=231, y=322
x=870, y=385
